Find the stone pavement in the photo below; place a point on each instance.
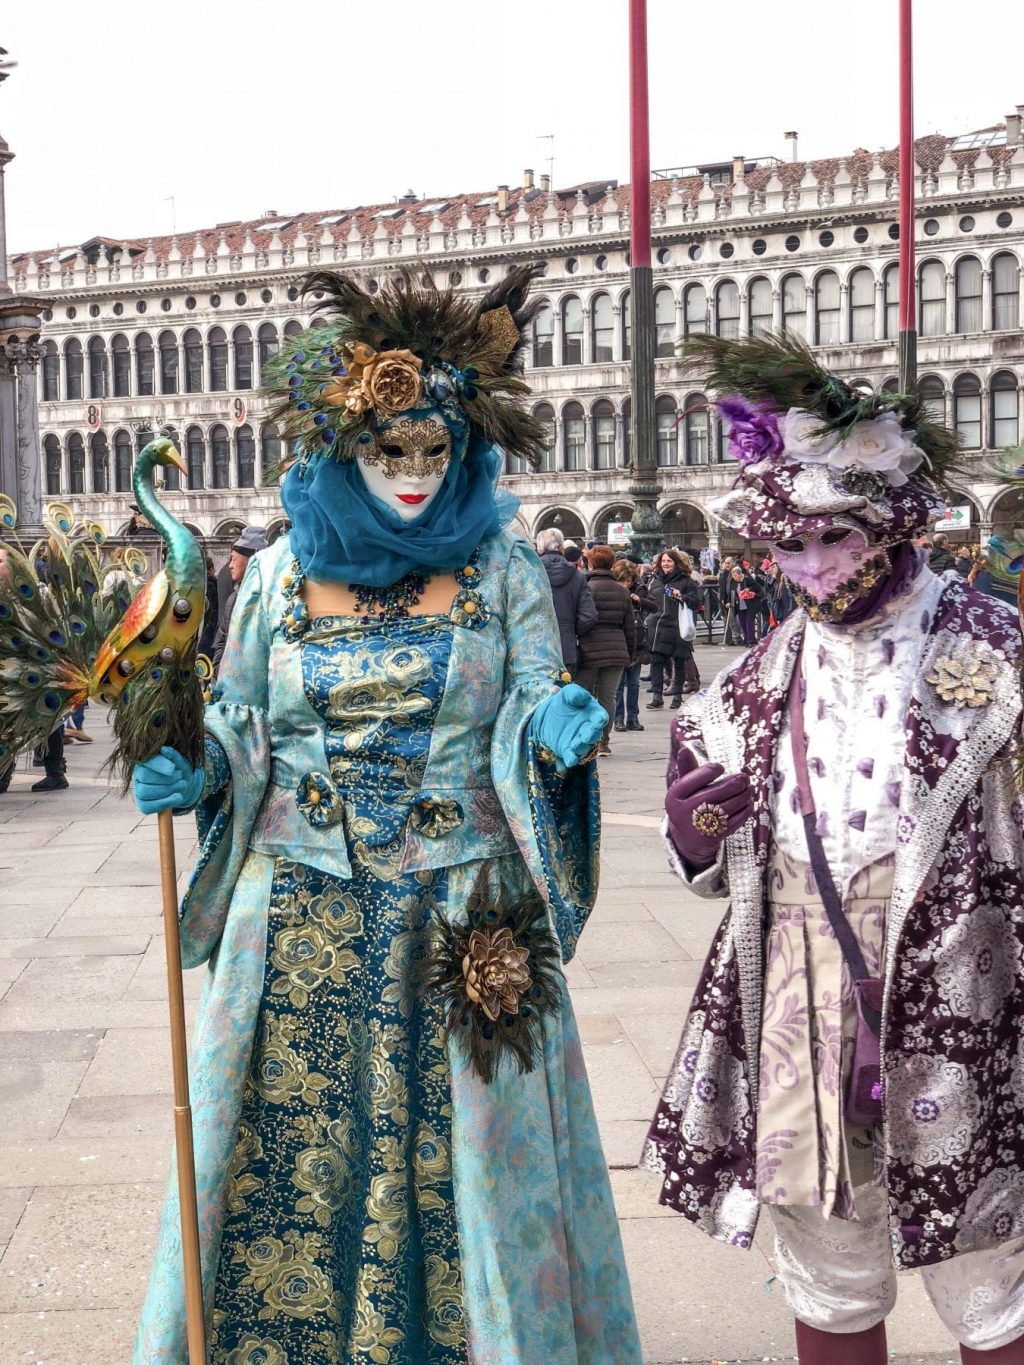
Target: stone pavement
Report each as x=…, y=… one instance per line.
x=85, y=1108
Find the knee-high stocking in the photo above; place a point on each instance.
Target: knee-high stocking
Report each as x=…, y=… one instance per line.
x=1013, y=1354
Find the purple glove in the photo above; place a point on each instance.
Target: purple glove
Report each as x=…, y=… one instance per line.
x=703, y=808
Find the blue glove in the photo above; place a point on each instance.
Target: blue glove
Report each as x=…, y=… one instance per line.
x=167, y=782
x=568, y=723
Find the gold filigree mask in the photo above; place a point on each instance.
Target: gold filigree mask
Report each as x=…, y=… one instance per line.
x=410, y=449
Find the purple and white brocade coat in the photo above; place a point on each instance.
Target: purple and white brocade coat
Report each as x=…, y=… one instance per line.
x=953, y=1015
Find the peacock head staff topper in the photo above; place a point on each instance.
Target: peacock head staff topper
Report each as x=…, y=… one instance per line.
x=404, y=379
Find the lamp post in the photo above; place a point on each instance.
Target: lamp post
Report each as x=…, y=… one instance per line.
x=907, y=269
x=643, y=489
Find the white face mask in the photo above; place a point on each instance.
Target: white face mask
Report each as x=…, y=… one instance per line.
x=405, y=464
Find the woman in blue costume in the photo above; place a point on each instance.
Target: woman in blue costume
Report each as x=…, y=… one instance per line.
x=397, y=1158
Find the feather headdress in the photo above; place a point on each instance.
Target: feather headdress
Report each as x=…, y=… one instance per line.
x=373, y=356
x=781, y=372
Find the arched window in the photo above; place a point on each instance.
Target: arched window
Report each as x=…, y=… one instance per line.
x=220, y=444
x=1005, y=292
x=931, y=305
x=100, y=453
x=544, y=336
x=168, y=344
x=932, y=394
x=122, y=462
x=217, y=345
x=891, y=298
x=242, y=337
x=968, y=295
x=891, y=385
x=697, y=427
x=967, y=411
x=144, y=364
x=193, y=361
x=271, y=448
x=666, y=419
x=97, y=368
x=292, y=329
x=760, y=307
x=51, y=374
x=574, y=435
x=1005, y=412
x=544, y=413
x=794, y=305
x=627, y=326
x=76, y=462
x=195, y=458
x=572, y=332
x=695, y=310
x=122, y=358
x=51, y=452
x=73, y=369
x=826, y=309
x=267, y=345
x=727, y=310
x=664, y=323
x=602, y=326
x=862, y=305
x=245, y=452
x=603, y=415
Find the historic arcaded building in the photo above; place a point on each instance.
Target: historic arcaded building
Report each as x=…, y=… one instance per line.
x=173, y=331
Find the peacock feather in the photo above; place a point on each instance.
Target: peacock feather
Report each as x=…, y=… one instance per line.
x=781, y=371
x=71, y=629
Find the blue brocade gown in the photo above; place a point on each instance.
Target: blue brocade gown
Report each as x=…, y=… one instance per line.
x=340, y=1241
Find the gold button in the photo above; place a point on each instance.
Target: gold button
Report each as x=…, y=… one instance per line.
x=314, y=797
x=287, y=581
x=469, y=571
x=470, y=608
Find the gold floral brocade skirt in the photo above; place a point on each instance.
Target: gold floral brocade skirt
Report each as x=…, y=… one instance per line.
x=806, y=1153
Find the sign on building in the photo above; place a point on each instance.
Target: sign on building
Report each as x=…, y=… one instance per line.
x=619, y=532
x=956, y=519
x=94, y=416
x=238, y=412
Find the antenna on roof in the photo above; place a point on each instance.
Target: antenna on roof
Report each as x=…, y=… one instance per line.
x=549, y=138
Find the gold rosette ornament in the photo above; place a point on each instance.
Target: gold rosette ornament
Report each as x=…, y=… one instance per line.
x=967, y=679
x=495, y=971
x=386, y=381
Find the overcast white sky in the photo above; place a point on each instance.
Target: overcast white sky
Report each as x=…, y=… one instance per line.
x=239, y=106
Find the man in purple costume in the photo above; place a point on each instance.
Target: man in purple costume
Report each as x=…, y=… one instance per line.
x=863, y=747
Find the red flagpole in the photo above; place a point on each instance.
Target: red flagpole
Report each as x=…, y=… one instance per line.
x=639, y=138
x=908, y=171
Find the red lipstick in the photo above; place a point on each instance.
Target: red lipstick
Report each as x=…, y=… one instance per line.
x=411, y=497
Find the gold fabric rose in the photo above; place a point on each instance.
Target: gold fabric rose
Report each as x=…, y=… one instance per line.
x=387, y=381
x=495, y=972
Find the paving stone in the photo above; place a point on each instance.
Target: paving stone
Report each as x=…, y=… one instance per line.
x=80, y=1161
x=72, y=978
x=600, y=1028
x=136, y=1059
x=12, y=1206
x=68, y=1337
x=79, y=1248
x=51, y=1015
x=656, y=1038
x=106, y=900
x=39, y=1076
x=118, y=1116
x=623, y=1140
x=621, y=1086
x=123, y=945
x=618, y=943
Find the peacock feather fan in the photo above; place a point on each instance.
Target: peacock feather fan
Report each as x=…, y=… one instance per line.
x=496, y=977
x=781, y=370
x=474, y=345
x=58, y=603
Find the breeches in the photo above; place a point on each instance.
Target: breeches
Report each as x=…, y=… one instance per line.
x=838, y=1276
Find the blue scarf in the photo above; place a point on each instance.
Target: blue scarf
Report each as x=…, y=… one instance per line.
x=341, y=533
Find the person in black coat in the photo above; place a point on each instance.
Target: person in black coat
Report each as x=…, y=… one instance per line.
x=941, y=557
x=211, y=616
x=609, y=646
x=575, y=611
x=743, y=599
x=675, y=582
x=627, y=694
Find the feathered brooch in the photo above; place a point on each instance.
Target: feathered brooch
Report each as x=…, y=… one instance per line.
x=497, y=977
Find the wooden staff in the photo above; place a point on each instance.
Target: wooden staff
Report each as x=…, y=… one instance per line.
x=187, y=1202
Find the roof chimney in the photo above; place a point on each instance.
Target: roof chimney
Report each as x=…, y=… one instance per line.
x=502, y=198
x=545, y=184
x=739, y=164
x=527, y=180
x=791, y=139
x=1013, y=127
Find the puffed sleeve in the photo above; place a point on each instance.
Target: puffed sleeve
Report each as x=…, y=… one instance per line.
x=555, y=818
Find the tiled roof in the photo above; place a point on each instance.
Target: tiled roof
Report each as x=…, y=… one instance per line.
x=338, y=222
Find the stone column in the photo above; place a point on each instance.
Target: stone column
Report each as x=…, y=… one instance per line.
x=986, y=300
x=22, y=361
